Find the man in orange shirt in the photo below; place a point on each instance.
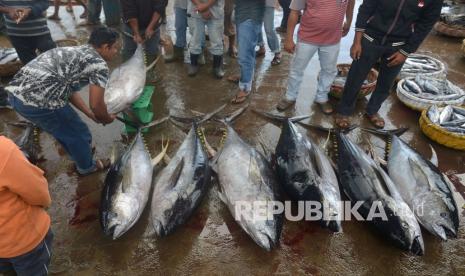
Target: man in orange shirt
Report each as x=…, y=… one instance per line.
x=25, y=235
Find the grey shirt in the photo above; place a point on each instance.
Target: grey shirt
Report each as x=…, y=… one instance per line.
x=216, y=9
x=298, y=5
x=270, y=3
x=182, y=4
x=249, y=9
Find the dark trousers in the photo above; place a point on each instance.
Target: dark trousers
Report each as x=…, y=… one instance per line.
x=27, y=47
x=35, y=262
x=286, y=10
x=3, y=96
x=371, y=53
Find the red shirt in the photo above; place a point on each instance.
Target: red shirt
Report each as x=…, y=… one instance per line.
x=322, y=20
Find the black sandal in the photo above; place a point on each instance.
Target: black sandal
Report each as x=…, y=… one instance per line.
x=276, y=60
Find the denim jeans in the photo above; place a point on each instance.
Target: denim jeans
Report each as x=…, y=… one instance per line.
x=35, y=262
x=26, y=46
x=328, y=60
x=151, y=46
x=215, y=32
x=271, y=35
x=247, y=38
x=65, y=125
x=371, y=53
x=180, y=23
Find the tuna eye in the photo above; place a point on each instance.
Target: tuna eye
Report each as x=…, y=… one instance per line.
x=404, y=224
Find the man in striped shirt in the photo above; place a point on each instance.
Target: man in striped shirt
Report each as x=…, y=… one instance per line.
x=26, y=26
x=321, y=28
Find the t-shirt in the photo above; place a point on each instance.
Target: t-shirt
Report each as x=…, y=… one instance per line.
x=217, y=9
x=249, y=9
x=270, y=3
x=143, y=10
x=23, y=196
x=182, y=4
x=48, y=81
x=34, y=25
x=322, y=20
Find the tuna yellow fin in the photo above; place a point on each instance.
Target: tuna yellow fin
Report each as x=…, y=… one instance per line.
x=161, y=155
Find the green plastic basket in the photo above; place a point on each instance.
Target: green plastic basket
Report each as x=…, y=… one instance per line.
x=142, y=109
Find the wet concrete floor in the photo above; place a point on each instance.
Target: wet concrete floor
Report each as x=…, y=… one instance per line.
x=211, y=242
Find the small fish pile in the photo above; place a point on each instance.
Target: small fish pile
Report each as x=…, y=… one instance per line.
x=453, y=19
x=417, y=64
x=432, y=89
x=451, y=118
x=8, y=55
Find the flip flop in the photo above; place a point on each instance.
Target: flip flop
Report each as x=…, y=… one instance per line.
x=240, y=99
x=100, y=165
x=232, y=53
x=276, y=60
x=234, y=78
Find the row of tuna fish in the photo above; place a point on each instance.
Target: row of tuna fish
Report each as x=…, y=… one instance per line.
x=451, y=118
x=301, y=169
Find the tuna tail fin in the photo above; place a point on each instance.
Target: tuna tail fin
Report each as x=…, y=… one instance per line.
x=152, y=64
x=140, y=126
x=233, y=116
x=326, y=129
x=199, y=117
x=22, y=124
x=211, y=114
x=386, y=133
x=281, y=118
x=155, y=123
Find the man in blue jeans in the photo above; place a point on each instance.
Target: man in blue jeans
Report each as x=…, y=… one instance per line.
x=142, y=20
x=249, y=20
x=180, y=24
x=271, y=35
x=43, y=90
x=209, y=13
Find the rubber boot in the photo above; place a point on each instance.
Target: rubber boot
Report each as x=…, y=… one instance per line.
x=152, y=76
x=194, y=66
x=178, y=54
x=218, y=67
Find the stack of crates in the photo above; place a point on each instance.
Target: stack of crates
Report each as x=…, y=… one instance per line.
x=142, y=109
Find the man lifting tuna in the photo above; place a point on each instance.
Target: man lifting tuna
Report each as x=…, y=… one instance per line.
x=43, y=90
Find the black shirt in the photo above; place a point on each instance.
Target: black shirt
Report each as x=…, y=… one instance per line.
x=143, y=10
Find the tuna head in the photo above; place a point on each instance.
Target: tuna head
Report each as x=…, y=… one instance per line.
x=437, y=220
x=401, y=225
x=122, y=217
x=264, y=233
